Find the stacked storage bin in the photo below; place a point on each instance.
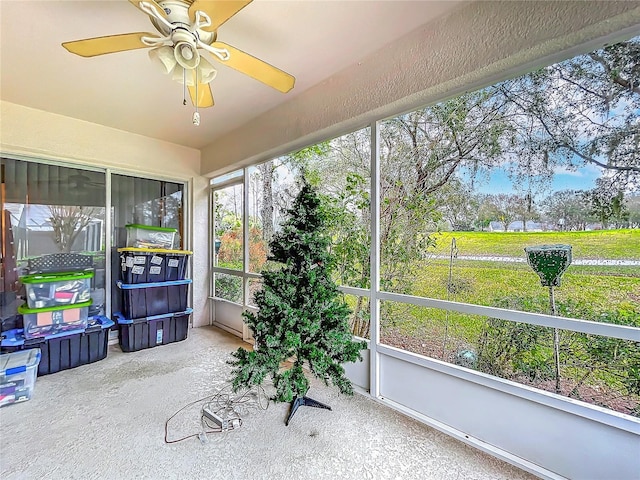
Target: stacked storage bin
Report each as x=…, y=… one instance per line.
x=154, y=289
x=56, y=318
x=18, y=376
x=56, y=302
x=62, y=351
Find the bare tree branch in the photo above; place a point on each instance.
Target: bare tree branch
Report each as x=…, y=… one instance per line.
x=614, y=76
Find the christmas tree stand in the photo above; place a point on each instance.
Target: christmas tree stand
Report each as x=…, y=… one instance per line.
x=306, y=402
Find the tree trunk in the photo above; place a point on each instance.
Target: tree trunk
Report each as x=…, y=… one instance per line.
x=266, y=212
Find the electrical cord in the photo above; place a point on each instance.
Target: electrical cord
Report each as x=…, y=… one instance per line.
x=226, y=406
x=166, y=424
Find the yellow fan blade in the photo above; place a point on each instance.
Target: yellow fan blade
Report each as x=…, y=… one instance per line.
x=90, y=47
x=161, y=11
x=205, y=97
x=256, y=68
x=219, y=10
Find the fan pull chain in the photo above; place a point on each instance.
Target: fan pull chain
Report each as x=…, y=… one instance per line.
x=196, y=115
x=184, y=87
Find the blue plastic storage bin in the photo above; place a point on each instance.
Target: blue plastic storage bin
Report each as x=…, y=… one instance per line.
x=140, y=333
x=142, y=300
x=62, y=351
x=18, y=375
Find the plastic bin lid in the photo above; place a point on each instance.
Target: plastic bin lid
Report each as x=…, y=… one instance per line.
x=127, y=321
x=101, y=320
x=15, y=336
x=24, y=309
x=155, y=250
x=131, y=286
x=149, y=227
x=55, y=277
x=17, y=362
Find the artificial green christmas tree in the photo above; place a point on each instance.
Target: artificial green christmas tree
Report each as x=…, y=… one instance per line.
x=302, y=317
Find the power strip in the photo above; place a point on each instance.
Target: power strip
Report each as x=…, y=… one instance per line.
x=224, y=424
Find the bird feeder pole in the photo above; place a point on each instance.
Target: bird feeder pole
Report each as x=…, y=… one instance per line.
x=550, y=262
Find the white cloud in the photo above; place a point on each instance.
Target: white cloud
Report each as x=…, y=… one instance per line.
x=586, y=170
x=563, y=170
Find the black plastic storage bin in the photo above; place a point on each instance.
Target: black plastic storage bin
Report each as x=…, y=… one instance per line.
x=141, y=333
x=64, y=350
x=177, y=261
x=143, y=300
x=141, y=265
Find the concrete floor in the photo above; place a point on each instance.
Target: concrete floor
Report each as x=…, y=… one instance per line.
x=106, y=420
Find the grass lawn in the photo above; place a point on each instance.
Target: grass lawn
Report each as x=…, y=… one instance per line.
x=600, y=368
x=597, y=244
x=494, y=283
x=593, y=293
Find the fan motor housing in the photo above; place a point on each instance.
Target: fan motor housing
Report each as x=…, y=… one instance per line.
x=185, y=50
x=178, y=15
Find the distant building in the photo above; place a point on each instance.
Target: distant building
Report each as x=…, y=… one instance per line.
x=517, y=226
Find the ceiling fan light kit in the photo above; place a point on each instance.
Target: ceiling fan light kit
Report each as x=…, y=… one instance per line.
x=166, y=59
x=186, y=30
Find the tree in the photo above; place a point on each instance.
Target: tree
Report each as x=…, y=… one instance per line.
x=67, y=223
x=528, y=126
x=339, y=168
x=484, y=213
x=301, y=316
x=633, y=206
x=619, y=210
x=566, y=209
x=267, y=170
x=525, y=209
x=605, y=204
x=505, y=208
x=459, y=205
x=582, y=111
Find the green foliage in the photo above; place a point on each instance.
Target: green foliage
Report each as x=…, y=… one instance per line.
x=505, y=347
x=606, y=205
x=228, y=287
x=301, y=316
x=620, y=359
x=302, y=160
x=509, y=349
x=230, y=254
x=532, y=126
x=351, y=237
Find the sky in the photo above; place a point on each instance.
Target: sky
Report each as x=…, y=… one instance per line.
x=582, y=179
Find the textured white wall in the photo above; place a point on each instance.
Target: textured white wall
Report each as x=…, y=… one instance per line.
x=34, y=132
x=478, y=44
x=200, y=244
x=39, y=134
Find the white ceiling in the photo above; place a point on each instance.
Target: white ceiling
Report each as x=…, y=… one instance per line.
x=311, y=39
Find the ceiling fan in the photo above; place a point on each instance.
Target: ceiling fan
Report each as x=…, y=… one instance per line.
x=187, y=28
x=73, y=184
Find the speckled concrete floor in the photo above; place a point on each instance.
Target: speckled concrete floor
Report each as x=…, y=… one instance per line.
x=106, y=421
